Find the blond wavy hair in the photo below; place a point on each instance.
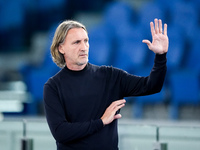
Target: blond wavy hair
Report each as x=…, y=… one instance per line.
x=59, y=38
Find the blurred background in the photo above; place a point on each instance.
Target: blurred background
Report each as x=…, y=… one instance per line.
x=116, y=30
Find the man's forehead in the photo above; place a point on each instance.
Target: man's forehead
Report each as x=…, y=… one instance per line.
x=77, y=32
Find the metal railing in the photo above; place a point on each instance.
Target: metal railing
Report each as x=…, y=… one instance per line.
x=35, y=135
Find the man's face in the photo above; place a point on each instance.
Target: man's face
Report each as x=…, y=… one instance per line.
x=75, y=48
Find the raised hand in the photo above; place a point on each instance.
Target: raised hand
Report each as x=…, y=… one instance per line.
x=160, y=41
x=110, y=113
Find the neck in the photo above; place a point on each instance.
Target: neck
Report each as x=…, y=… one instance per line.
x=76, y=67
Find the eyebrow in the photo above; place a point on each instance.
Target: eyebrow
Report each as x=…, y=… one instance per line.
x=80, y=40
x=76, y=41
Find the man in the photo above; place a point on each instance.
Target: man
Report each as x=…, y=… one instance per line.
x=82, y=101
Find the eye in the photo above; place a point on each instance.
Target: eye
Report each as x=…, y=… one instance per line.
x=77, y=42
x=86, y=40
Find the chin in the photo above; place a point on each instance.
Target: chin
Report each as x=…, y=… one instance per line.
x=82, y=63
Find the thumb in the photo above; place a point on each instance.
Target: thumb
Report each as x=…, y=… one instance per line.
x=147, y=42
x=117, y=116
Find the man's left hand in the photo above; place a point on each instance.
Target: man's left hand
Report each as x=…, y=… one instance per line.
x=160, y=41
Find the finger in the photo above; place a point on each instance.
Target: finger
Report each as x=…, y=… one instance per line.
x=160, y=26
x=147, y=42
x=165, y=29
x=152, y=28
x=118, y=102
x=156, y=25
x=121, y=101
x=117, y=116
x=118, y=107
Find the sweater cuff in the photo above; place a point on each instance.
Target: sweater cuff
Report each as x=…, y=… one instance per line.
x=99, y=124
x=160, y=57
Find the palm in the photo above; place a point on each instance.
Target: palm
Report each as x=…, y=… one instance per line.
x=160, y=40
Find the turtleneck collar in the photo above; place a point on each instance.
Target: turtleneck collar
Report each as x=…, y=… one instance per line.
x=76, y=71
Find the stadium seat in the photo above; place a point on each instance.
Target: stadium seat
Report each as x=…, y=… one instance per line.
x=141, y=101
x=100, y=45
x=184, y=90
x=185, y=16
x=197, y=4
x=194, y=54
x=49, y=12
x=36, y=76
x=176, y=52
x=130, y=52
x=118, y=12
x=12, y=17
x=119, y=17
x=147, y=13
x=167, y=4
x=185, y=84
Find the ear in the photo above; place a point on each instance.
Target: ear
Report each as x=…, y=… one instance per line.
x=60, y=48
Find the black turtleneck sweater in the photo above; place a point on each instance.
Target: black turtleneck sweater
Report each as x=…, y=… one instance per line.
x=76, y=100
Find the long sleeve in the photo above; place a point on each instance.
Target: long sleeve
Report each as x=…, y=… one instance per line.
x=137, y=86
x=75, y=101
x=63, y=130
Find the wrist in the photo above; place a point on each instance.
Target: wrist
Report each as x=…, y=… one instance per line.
x=103, y=122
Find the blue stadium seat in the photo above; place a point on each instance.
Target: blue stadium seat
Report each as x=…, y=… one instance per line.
x=12, y=17
x=194, y=54
x=119, y=17
x=49, y=12
x=100, y=45
x=130, y=52
x=147, y=13
x=185, y=16
x=36, y=76
x=166, y=6
x=176, y=52
x=184, y=90
x=116, y=14
x=47, y=5
x=141, y=101
x=197, y=4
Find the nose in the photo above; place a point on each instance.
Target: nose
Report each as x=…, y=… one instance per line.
x=84, y=46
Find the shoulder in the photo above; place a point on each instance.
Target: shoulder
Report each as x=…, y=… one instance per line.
x=107, y=69
x=52, y=81
x=100, y=68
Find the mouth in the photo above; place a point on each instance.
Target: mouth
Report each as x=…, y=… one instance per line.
x=83, y=55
